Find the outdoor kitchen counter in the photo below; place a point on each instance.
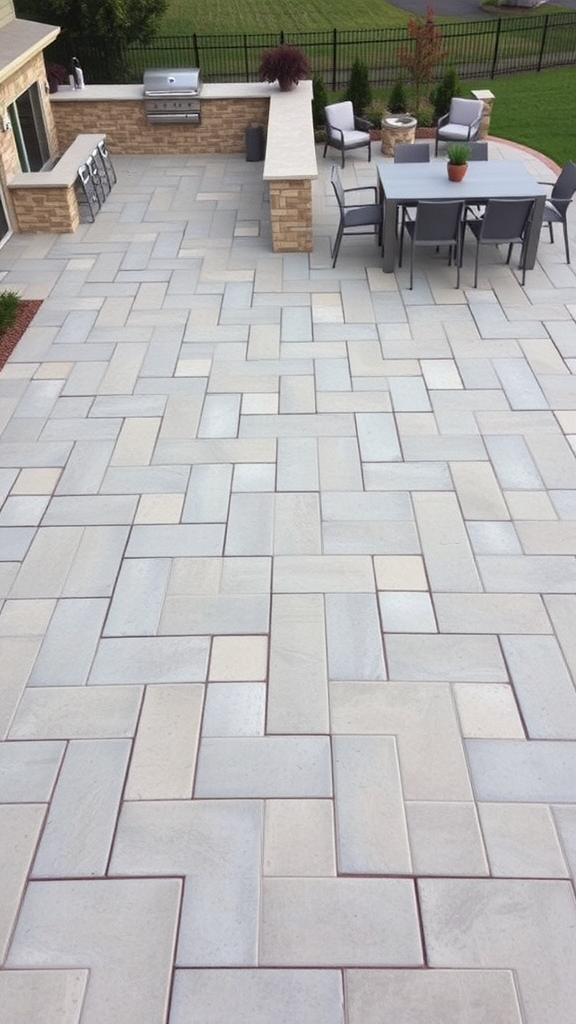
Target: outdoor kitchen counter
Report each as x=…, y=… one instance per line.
x=290, y=150
x=227, y=110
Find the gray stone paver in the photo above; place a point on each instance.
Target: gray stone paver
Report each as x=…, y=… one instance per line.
x=287, y=606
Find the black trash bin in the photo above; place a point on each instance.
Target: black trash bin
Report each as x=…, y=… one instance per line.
x=254, y=142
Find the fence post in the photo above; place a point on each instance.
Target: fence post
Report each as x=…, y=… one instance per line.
x=246, y=68
x=196, y=51
x=496, y=45
x=334, y=57
x=543, y=43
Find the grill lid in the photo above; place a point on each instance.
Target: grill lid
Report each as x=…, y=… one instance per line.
x=172, y=82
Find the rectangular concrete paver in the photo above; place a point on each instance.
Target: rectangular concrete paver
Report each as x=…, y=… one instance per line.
x=258, y=997
x=410, y=997
x=342, y=920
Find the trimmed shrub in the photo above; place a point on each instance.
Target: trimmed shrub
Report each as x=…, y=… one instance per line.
x=359, y=91
x=9, y=302
x=398, y=99
x=319, y=100
x=442, y=95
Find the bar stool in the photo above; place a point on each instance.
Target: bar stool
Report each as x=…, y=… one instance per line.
x=98, y=184
x=107, y=163
x=86, y=191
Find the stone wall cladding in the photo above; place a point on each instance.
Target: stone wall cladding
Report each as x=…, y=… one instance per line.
x=45, y=209
x=30, y=72
x=291, y=216
x=222, y=129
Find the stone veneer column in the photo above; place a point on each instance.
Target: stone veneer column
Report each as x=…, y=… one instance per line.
x=54, y=210
x=396, y=129
x=487, y=98
x=291, y=215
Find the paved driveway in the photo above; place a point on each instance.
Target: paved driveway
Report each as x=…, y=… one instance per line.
x=463, y=8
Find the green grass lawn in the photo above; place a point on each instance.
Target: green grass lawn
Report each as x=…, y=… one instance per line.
x=536, y=109
x=216, y=17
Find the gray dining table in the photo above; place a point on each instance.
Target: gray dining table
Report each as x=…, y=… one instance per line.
x=484, y=179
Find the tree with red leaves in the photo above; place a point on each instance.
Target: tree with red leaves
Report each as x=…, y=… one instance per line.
x=424, y=52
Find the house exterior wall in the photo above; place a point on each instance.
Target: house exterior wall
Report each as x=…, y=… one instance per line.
x=10, y=89
x=6, y=12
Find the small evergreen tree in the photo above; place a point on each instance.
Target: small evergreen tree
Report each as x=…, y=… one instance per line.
x=359, y=91
x=398, y=99
x=319, y=100
x=442, y=95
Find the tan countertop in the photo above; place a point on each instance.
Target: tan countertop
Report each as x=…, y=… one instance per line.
x=129, y=93
x=290, y=148
x=63, y=174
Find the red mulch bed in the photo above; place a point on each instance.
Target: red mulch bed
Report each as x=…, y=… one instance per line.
x=27, y=309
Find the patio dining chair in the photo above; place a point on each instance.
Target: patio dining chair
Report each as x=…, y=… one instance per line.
x=355, y=215
x=436, y=222
x=344, y=130
x=461, y=123
x=505, y=222
x=478, y=151
x=556, y=206
x=411, y=153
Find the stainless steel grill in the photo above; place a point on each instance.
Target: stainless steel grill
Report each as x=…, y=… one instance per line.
x=172, y=95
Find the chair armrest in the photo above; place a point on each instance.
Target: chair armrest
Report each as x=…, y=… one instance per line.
x=361, y=124
x=333, y=132
x=474, y=126
x=442, y=120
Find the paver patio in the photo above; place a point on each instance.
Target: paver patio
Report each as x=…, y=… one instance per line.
x=287, y=622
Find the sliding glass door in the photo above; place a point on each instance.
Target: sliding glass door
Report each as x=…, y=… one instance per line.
x=29, y=131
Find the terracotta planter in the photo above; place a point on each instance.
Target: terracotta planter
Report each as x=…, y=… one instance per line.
x=456, y=171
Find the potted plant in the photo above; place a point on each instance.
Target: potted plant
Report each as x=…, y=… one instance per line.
x=285, y=64
x=457, y=153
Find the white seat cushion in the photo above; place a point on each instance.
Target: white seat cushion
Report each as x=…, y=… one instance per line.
x=355, y=138
x=454, y=131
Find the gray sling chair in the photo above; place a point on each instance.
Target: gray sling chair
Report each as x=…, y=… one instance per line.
x=505, y=222
x=355, y=215
x=344, y=130
x=478, y=151
x=437, y=222
x=556, y=206
x=410, y=153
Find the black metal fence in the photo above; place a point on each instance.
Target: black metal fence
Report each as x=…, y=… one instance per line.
x=479, y=49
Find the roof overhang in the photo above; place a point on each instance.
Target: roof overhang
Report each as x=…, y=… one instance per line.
x=20, y=41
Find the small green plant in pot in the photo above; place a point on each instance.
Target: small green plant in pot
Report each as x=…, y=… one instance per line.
x=457, y=154
x=284, y=64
